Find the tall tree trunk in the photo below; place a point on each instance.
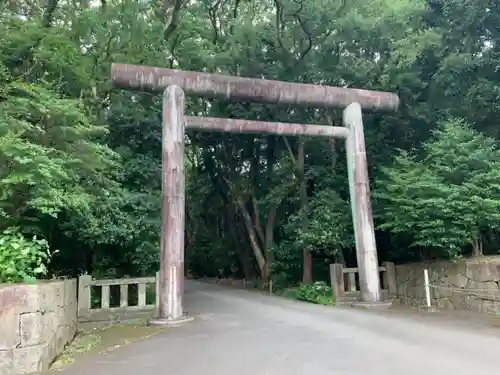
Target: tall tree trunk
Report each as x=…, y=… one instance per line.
x=477, y=246
x=174, y=7
x=269, y=234
x=254, y=241
x=307, y=275
x=241, y=248
x=246, y=262
x=266, y=234
x=339, y=258
x=48, y=16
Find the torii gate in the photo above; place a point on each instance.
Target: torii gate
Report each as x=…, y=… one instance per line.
x=175, y=82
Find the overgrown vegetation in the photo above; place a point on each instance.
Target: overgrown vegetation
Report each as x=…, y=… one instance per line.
x=80, y=160
x=318, y=292
x=22, y=259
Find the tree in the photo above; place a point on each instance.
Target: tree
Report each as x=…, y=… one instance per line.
x=448, y=198
x=256, y=205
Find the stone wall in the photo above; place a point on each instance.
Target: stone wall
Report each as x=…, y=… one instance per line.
x=471, y=285
x=36, y=322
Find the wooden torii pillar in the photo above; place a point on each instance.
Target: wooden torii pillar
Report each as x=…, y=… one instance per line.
x=176, y=82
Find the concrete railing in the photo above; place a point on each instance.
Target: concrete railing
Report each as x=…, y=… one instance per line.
x=104, y=311
x=345, y=281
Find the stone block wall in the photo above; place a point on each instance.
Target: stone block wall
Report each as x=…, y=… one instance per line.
x=36, y=322
x=467, y=285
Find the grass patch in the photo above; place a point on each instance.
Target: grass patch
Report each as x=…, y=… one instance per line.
x=318, y=293
x=83, y=343
x=104, y=339
x=495, y=319
x=290, y=293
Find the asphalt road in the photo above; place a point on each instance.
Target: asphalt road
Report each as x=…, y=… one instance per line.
x=245, y=333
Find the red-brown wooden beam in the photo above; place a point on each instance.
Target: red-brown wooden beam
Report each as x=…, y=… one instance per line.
x=252, y=89
x=264, y=127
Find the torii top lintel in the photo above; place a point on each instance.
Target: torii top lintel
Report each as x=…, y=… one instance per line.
x=252, y=89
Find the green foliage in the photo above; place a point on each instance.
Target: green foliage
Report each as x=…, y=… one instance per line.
x=80, y=161
x=329, y=224
x=47, y=153
x=287, y=264
x=22, y=259
x=318, y=292
x=446, y=199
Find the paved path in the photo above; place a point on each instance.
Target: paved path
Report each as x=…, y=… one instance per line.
x=245, y=333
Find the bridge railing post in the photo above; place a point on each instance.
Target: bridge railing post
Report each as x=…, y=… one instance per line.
x=390, y=278
x=337, y=280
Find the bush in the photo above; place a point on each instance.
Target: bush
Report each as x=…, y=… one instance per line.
x=22, y=259
x=319, y=293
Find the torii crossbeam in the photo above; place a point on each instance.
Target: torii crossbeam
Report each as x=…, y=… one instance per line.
x=176, y=82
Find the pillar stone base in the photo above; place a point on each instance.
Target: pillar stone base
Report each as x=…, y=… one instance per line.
x=165, y=323
x=381, y=305
x=431, y=309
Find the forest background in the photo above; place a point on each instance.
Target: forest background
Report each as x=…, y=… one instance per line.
x=80, y=163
